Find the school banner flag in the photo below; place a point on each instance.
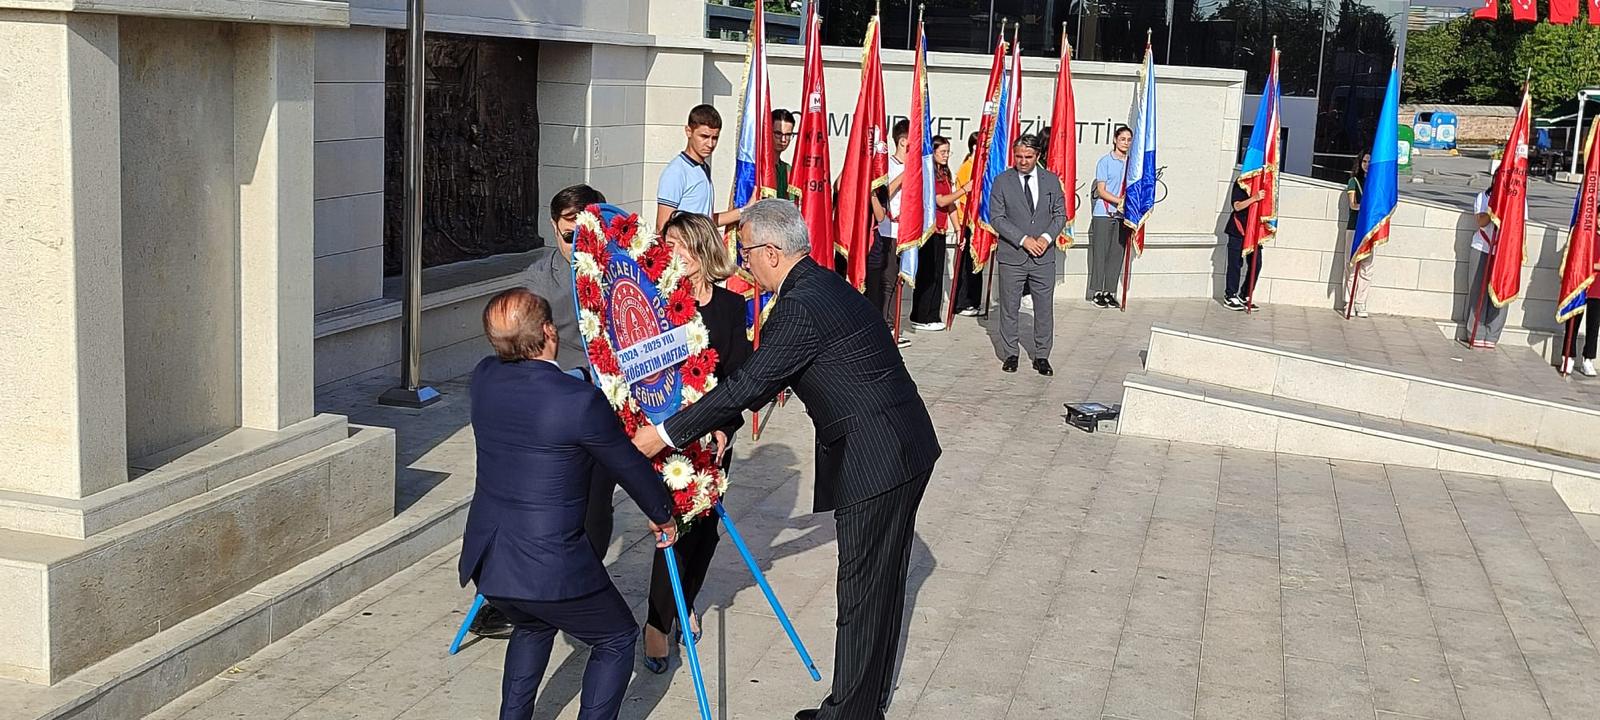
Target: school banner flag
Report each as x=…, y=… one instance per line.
x=1508, y=210
x=1381, y=186
x=866, y=164
x=1259, y=171
x=1577, y=263
x=983, y=238
x=917, y=199
x=810, y=181
x=1139, y=179
x=1062, y=153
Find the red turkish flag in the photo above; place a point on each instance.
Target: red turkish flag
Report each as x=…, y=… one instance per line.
x=1508, y=210
x=1524, y=11
x=1594, y=12
x=1491, y=10
x=1564, y=12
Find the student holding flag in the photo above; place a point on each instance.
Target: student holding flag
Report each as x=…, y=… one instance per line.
x=883, y=271
x=1360, y=273
x=1107, y=237
x=1578, y=266
x=1376, y=197
x=1139, y=183
x=1496, y=265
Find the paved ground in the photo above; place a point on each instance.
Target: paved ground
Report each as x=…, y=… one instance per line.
x=1057, y=574
x=1457, y=181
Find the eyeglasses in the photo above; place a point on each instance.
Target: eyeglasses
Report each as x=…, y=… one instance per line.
x=744, y=250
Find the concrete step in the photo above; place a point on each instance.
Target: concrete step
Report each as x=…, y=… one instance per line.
x=1161, y=406
x=1392, y=394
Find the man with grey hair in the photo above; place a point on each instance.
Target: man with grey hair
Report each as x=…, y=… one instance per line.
x=875, y=446
x=1027, y=211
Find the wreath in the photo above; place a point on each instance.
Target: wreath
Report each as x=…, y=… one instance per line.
x=692, y=475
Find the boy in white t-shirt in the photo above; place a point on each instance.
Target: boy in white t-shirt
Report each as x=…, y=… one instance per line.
x=883, y=263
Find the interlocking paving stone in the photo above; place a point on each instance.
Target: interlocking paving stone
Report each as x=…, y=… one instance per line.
x=1057, y=574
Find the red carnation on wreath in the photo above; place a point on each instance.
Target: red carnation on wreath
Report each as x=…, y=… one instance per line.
x=698, y=367
x=589, y=294
x=602, y=359
x=681, y=307
x=654, y=261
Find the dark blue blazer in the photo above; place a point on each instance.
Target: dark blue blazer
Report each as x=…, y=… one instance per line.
x=539, y=434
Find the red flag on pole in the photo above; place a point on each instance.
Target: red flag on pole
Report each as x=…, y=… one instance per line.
x=866, y=165
x=1524, y=11
x=810, y=178
x=1577, y=264
x=1594, y=12
x=918, y=202
x=1508, y=210
x=983, y=239
x=1491, y=10
x=1016, y=85
x=1563, y=12
x=1062, y=156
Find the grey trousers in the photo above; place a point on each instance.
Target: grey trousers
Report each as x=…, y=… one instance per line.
x=1482, y=314
x=1039, y=280
x=1106, y=240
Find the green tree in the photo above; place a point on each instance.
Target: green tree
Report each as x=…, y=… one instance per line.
x=1481, y=62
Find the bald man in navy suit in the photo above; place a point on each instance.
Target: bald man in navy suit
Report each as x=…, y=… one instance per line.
x=539, y=434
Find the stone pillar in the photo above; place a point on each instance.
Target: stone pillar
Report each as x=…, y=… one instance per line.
x=61, y=344
x=273, y=161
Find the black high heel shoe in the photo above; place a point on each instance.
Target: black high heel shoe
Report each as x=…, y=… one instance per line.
x=656, y=665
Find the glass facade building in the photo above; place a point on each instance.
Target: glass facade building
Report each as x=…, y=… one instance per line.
x=1336, y=53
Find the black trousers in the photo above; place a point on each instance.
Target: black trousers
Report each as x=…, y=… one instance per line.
x=875, y=538
x=1591, y=326
x=928, y=296
x=602, y=621
x=694, y=551
x=597, y=522
x=969, y=284
x=883, y=278
x=1236, y=286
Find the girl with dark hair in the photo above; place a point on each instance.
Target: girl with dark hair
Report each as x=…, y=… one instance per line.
x=926, y=296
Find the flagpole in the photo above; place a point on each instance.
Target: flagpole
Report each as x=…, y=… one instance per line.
x=1572, y=335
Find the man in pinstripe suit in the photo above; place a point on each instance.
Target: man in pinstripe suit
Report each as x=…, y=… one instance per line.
x=875, y=442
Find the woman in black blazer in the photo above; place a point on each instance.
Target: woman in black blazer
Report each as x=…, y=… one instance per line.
x=695, y=240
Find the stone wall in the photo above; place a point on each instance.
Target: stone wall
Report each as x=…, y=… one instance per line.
x=180, y=216
x=349, y=162
x=1421, y=271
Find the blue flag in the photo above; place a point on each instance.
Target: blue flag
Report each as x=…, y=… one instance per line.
x=1139, y=180
x=1381, y=188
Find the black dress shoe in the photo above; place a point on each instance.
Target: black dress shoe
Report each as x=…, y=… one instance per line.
x=1043, y=366
x=806, y=714
x=490, y=623
x=1010, y=364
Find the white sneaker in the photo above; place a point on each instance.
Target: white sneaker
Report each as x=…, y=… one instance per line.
x=928, y=327
x=903, y=341
x=1362, y=312
x=1587, y=368
x=968, y=312
x=1566, y=366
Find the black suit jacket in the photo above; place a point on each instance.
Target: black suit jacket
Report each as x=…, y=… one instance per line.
x=828, y=343
x=539, y=433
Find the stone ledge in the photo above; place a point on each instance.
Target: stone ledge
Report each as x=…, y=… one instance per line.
x=316, y=13
x=169, y=477
x=1174, y=409
x=141, y=679
x=77, y=602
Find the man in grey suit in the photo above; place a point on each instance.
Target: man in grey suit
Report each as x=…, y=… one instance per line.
x=1028, y=210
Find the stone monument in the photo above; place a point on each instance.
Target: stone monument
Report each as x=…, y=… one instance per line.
x=161, y=450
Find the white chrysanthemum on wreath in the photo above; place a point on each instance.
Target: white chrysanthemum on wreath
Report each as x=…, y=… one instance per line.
x=641, y=242
x=588, y=324
x=699, y=336
x=586, y=264
x=691, y=395
x=615, y=389
x=711, y=383
x=705, y=481
x=677, y=472
x=670, y=275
